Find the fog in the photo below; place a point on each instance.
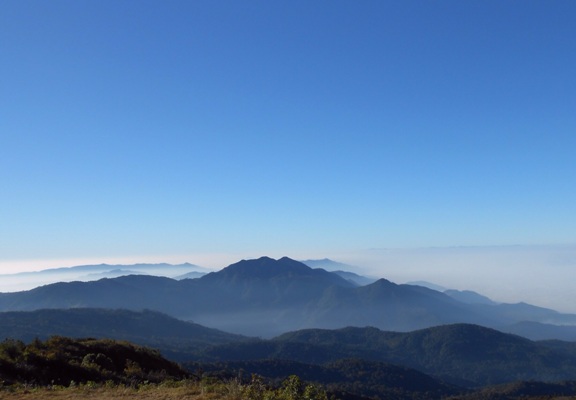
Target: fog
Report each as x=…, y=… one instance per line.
x=539, y=275
x=31, y=279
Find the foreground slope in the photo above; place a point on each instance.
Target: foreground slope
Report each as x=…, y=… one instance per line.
x=360, y=378
x=61, y=360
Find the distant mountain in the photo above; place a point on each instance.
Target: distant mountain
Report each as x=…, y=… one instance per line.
x=469, y=297
x=29, y=280
x=540, y=331
x=265, y=297
x=190, y=275
x=463, y=354
x=355, y=278
x=161, y=267
x=115, y=273
x=175, y=338
x=429, y=285
x=329, y=265
x=346, y=271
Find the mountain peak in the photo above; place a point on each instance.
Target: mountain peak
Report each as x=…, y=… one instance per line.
x=264, y=268
x=284, y=271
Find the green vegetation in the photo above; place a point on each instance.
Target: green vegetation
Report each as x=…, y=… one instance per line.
x=369, y=379
x=66, y=368
x=291, y=389
x=61, y=361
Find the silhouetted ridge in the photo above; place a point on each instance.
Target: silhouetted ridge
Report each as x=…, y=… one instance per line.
x=175, y=338
x=266, y=268
x=463, y=354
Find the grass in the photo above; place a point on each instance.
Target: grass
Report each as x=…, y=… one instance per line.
x=169, y=390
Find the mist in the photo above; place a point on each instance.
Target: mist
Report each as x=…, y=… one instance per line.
x=539, y=275
x=85, y=273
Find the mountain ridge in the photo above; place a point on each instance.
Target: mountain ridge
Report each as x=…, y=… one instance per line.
x=266, y=297
x=463, y=354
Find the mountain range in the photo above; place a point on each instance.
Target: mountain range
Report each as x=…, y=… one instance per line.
x=266, y=297
x=464, y=355
x=29, y=280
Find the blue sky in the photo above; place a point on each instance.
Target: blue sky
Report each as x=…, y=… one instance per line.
x=164, y=130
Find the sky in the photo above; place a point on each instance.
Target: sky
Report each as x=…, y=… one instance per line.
x=208, y=131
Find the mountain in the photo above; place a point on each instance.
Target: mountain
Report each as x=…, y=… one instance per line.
x=429, y=285
x=115, y=273
x=173, y=337
x=389, y=306
x=29, y=280
x=265, y=297
x=463, y=354
x=540, y=331
x=341, y=269
x=355, y=278
x=329, y=265
x=469, y=296
x=190, y=275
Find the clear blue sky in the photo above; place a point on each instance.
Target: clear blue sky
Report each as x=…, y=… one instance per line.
x=157, y=128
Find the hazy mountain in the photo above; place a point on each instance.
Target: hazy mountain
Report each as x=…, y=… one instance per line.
x=344, y=270
x=265, y=297
x=161, y=267
x=355, y=278
x=469, y=296
x=429, y=285
x=115, y=273
x=389, y=306
x=540, y=331
x=190, y=275
x=29, y=280
x=175, y=338
x=468, y=355
x=329, y=265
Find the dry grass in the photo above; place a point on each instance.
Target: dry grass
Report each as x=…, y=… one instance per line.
x=186, y=390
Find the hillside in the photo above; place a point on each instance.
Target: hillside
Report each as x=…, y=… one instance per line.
x=465, y=355
x=176, y=339
x=61, y=360
x=64, y=368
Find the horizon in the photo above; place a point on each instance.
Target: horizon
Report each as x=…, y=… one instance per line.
x=210, y=132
